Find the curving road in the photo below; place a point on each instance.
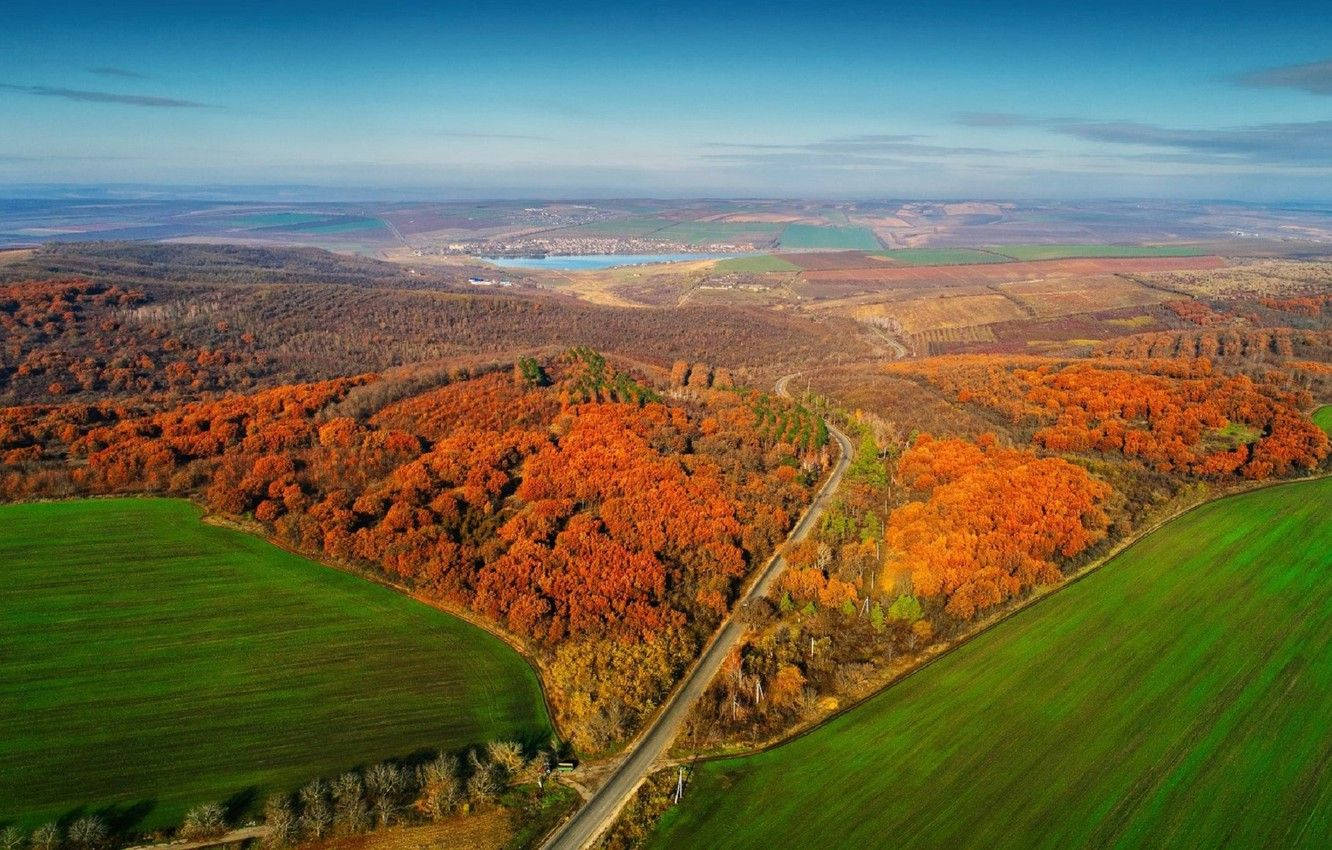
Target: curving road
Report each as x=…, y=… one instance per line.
x=600, y=811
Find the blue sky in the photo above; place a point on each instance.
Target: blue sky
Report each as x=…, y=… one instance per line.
x=676, y=99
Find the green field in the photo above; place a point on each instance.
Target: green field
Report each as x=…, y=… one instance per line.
x=149, y=662
x=1322, y=417
x=1064, y=252
x=305, y=223
x=941, y=256
x=711, y=232
x=636, y=226
x=806, y=237
x=756, y=264
x=1178, y=696
x=674, y=230
x=277, y=219
x=340, y=224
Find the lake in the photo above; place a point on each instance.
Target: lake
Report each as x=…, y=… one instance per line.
x=584, y=262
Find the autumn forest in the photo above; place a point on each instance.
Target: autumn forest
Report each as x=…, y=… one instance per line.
x=599, y=485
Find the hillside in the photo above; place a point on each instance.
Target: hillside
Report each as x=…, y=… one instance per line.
x=179, y=324
x=595, y=484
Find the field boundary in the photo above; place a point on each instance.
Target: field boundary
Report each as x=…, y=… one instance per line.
x=989, y=623
x=205, y=517
x=469, y=617
x=256, y=683
x=991, y=250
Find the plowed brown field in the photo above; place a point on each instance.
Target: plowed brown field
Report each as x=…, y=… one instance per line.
x=835, y=260
x=889, y=277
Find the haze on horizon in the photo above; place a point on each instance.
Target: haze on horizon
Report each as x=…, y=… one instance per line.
x=1177, y=100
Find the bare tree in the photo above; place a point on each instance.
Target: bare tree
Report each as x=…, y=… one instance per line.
x=47, y=837
x=316, y=810
x=281, y=820
x=88, y=833
x=12, y=838
x=441, y=789
x=536, y=768
x=350, y=813
x=484, y=785
x=507, y=756
x=206, y=821
x=385, y=786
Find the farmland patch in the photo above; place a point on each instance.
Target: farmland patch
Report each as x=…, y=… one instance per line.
x=922, y=314
x=758, y=264
x=1061, y=296
x=1137, y=706
x=156, y=662
x=941, y=256
x=942, y=340
x=814, y=237
x=1133, y=322
x=987, y=273
x=824, y=260
x=714, y=232
x=1066, y=251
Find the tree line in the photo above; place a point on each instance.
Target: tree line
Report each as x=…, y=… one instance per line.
x=387, y=793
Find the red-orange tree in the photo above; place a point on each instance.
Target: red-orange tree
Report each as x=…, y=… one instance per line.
x=1161, y=412
x=991, y=522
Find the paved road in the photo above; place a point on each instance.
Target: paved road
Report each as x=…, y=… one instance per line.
x=598, y=813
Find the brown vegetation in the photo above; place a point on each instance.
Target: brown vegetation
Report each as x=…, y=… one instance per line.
x=988, y=273
x=235, y=329
x=1062, y=296
x=1251, y=280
